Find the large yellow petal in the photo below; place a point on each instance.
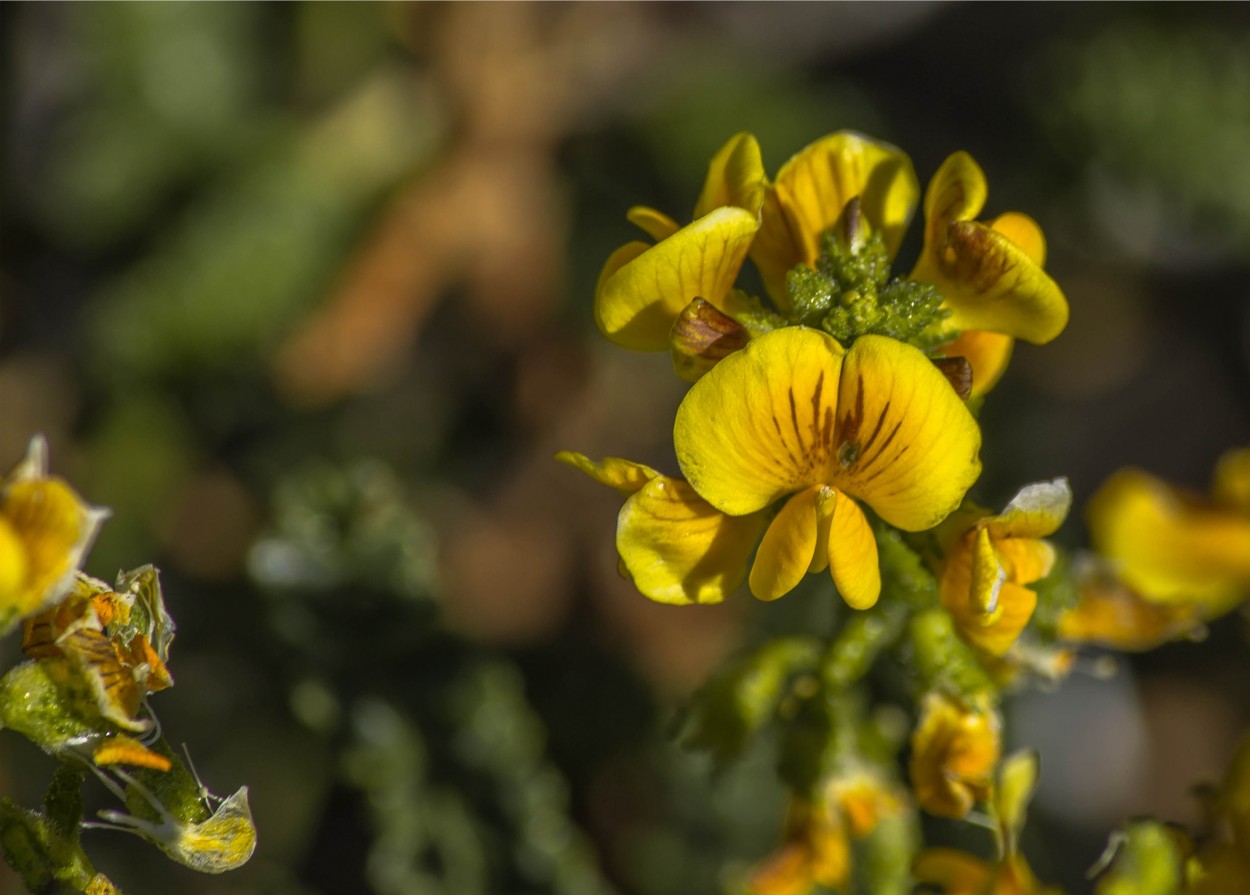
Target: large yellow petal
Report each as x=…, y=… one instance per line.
x=641, y=292
x=760, y=424
x=625, y=476
x=735, y=177
x=906, y=445
x=987, y=352
x=813, y=188
x=789, y=547
x=679, y=549
x=852, y=553
x=1168, y=548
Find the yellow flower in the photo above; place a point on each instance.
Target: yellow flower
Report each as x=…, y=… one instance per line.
x=993, y=558
x=1174, y=548
x=794, y=415
x=952, y=872
x=45, y=530
x=812, y=190
x=675, y=546
x=815, y=851
x=990, y=275
x=955, y=749
x=643, y=288
x=1110, y=614
x=816, y=848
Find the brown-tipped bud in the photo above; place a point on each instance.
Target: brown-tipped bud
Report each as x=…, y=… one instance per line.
x=958, y=373
x=701, y=337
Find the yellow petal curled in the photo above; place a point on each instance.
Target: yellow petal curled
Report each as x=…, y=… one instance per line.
x=813, y=188
x=906, y=445
x=625, y=476
x=853, y=553
x=1036, y=511
x=642, y=290
x=735, y=177
x=789, y=547
x=655, y=224
x=989, y=281
x=679, y=549
x=760, y=424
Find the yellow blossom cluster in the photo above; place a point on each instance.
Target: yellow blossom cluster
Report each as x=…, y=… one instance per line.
x=831, y=426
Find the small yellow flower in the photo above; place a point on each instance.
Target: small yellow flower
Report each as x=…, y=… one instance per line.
x=644, y=287
x=990, y=275
x=794, y=415
x=816, y=851
x=955, y=749
x=953, y=872
x=1174, y=548
x=676, y=547
x=812, y=190
x=45, y=530
x=816, y=848
x=1109, y=614
x=993, y=559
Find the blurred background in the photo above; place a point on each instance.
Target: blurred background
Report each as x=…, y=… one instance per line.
x=303, y=292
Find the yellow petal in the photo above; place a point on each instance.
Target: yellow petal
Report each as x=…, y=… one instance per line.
x=1025, y=560
x=991, y=631
x=987, y=352
x=1168, y=548
x=625, y=476
x=788, y=548
x=759, y=425
x=954, y=751
x=853, y=553
x=735, y=177
x=679, y=549
x=655, y=224
x=1016, y=783
x=990, y=276
x=121, y=749
x=813, y=188
x=54, y=528
x=640, y=293
x=952, y=872
x=906, y=445
x=13, y=566
x=988, y=574
x=1231, y=487
x=1024, y=232
x=1037, y=510
x=989, y=283
x=957, y=192
x=1109, y=614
